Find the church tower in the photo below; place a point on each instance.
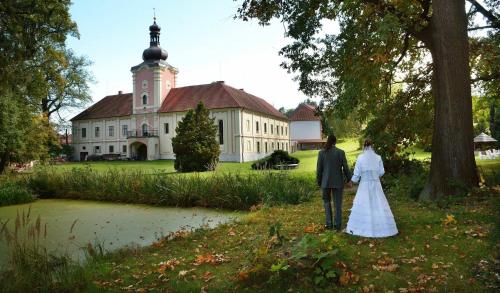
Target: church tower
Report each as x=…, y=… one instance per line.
x=154, y=77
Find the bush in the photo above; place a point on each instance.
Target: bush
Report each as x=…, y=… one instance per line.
x=14, y=191
x=195, y=145
x=276, y=158
x=218, y=190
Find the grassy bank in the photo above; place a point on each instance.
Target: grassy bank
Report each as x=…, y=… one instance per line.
x=13, y=190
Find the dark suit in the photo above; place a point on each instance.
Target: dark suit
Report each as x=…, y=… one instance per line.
x=331, y=170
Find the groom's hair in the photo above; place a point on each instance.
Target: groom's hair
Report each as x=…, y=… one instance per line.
x=331, y=141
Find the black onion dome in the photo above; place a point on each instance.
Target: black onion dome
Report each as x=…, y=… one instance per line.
x=154, y=27
x=154, y=52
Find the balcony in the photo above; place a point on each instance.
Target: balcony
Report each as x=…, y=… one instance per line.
x=142, y=133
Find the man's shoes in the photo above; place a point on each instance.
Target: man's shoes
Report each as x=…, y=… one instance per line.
x=327, y=227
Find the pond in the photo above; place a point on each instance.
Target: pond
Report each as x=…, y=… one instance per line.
x=72, y=224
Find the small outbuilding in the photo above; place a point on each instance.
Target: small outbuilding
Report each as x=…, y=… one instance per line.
x=305, y=128
x=484, y=141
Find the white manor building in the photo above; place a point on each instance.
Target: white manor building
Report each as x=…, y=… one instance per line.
x=141, y=125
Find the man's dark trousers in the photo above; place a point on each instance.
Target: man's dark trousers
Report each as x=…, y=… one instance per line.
x=337, y=201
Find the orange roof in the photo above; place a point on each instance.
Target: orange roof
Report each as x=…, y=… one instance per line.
x=304, y=112
x=216, y=95
x=109, y=106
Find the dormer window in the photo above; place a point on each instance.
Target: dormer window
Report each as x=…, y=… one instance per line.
x=144, y=99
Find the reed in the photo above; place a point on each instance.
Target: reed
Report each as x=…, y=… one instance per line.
x=235, y=191
x=31, y=267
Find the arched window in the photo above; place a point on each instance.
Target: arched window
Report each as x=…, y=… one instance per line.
x=144, y=130
x=144, y=99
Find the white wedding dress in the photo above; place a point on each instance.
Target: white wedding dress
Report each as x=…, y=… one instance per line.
x=371, y=215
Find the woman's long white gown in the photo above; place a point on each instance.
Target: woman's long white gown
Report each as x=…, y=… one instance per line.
x=371, y=215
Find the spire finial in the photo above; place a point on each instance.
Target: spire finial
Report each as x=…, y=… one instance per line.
x=154, y=14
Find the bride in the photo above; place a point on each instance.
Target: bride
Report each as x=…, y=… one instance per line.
x=371, y=215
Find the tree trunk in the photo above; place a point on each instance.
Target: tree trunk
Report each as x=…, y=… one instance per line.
x=453, y=166
x=4, y=160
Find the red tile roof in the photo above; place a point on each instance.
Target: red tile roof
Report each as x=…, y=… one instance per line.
x=304, y=112
x=109, y=106
x=215, y=95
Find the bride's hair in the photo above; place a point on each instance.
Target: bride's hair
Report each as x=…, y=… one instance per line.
x=368, y=143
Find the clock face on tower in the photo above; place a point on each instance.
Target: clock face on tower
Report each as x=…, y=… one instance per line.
x=167, y=84
x=144, y=84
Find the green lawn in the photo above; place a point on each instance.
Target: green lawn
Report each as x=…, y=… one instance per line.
x=307, y=162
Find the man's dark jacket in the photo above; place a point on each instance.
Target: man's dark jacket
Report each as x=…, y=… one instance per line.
x=331, y=168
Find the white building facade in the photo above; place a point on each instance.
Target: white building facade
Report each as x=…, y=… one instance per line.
x=305, y=128
x=140, y=125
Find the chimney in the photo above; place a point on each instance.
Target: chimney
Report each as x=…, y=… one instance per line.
x=219, y=81
x=242, y=90
x=120, y=92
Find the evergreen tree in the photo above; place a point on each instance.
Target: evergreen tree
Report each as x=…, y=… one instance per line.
x=195, y=145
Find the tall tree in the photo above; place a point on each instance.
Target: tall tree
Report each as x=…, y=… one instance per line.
x=68, y=80
x=421, y=44
x=29, y=29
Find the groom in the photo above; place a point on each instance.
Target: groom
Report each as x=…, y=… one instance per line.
x=330, y=172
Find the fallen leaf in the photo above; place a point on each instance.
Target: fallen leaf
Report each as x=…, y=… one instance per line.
x=450, y=219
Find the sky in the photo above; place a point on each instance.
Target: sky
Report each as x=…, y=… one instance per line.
x=202, y=38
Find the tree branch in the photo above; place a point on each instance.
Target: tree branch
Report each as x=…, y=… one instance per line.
x=486, y=13
x=480, y=28
x=488, y=77
x=406, y=43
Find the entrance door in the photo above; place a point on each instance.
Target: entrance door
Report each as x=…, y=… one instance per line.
x=83, y=156
x=142, y=152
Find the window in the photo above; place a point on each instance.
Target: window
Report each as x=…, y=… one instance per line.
x=286, y=130
x=111, y=130
x=272, y=128
x=124, y=130
x=272, y=146
x=283, y=146
x=96, y=132
x=281, y=130
x=248, y=125
x=287, y=146
x=84, y=132
x=221, y=132
x=265, y=147
x=111, y=148
x=124, y=149
x=258, y=146
x=84, y=147
x=144, y=130
x=165, y=126
x=257, y=126
x=278, y=145
x=97, y=149
x=249, y=147
x=144, y=99
x=265, y=127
